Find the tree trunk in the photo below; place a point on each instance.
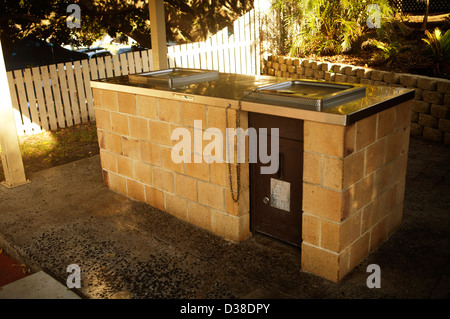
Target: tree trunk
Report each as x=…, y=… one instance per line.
x=425, y=18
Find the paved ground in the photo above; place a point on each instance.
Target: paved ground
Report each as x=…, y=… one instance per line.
x=127, y=249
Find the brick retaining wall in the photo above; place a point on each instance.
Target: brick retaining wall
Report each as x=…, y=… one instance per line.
x=430, y=108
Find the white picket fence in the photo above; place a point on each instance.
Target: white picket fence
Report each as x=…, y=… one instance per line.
x=230, y=52
x=59, y=95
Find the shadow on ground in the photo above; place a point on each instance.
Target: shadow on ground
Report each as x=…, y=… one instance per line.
x=126, y=248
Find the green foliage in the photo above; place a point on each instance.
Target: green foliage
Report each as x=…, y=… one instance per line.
x=439, y=47
x=388, y=51
x=326, y=26
x=438, y=44
x=187, y=20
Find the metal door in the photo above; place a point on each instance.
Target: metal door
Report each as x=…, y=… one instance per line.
x=276, y=199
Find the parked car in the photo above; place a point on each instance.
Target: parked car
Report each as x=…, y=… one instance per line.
x=130, y=49
x=95, y=52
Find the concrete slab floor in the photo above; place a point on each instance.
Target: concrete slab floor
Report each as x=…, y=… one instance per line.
x=126, y=249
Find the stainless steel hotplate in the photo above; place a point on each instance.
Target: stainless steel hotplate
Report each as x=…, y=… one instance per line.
x=313, y=95
x=175, y=77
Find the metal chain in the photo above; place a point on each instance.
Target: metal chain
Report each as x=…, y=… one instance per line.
x=238, y=166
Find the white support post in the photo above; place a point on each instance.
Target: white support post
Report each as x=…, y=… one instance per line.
x=158, y=33
x=9, y=142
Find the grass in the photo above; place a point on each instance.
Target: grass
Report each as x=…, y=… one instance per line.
x=52, y=148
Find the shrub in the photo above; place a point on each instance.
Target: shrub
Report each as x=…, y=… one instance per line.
x=439, y=47
x=326, y=26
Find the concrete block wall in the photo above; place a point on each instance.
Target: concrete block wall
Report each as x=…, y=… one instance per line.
x=431, y=106
x=353, y=189
x=134, y=133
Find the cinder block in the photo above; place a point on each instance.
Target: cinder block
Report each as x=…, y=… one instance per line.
x=199, y=215
x=113, y=142
x=198, y=170
x=103, y=119
x=408, y=80
x=186, y=187
x=353, y=79
x=319, y=74
x=324, y=138
x=301, y=71
x=154, y=197
x=160, y=133
x=312, y=167
x=117, y=183
x=359, y=250
x=311, y=229
x=230, y=227
x=421, y=106
x=326, y=203
x=282, y=60
x=306, y=64
x=375, y=156
x=378, y=234
x=426, y=83
x=135, y=190
x=138, y=128
x=336, y=68
x=125, y=166
x=109, y=100
x=333, y=172
x=440, y=111
x=211, y=195
x=391, y=77
x=349, y=70
x=363, y=73
x=341, y=78
x=163, y=179
x=146, y=107
x=127, y=103
x=131, y=148
x=432, y=97
x=366, y=131
x=330, y=233
x=367, y=81
x=447, y=138
x=169, y=111
x=119, y=123
x=416, y=129
x=329, y=76
x=108, y=161
x=143, y=172
x=309, y=72
x=444, y=125
x=386, y=122
x=320, y=262
x=447, y=99
x=167, y=161
x=433, y=134
x=151, y=153
x=377, y=75
x=176, y=206
x=353, y=168
x=428, y=120
x=242, y=207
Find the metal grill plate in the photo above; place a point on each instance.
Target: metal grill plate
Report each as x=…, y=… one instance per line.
x=175, y=77
x=308, y=94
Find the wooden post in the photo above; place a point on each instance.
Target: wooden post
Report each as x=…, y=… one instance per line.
x=9, y=142
x=158, y=33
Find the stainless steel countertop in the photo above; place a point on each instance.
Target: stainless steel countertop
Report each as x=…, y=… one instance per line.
x=234, y=87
